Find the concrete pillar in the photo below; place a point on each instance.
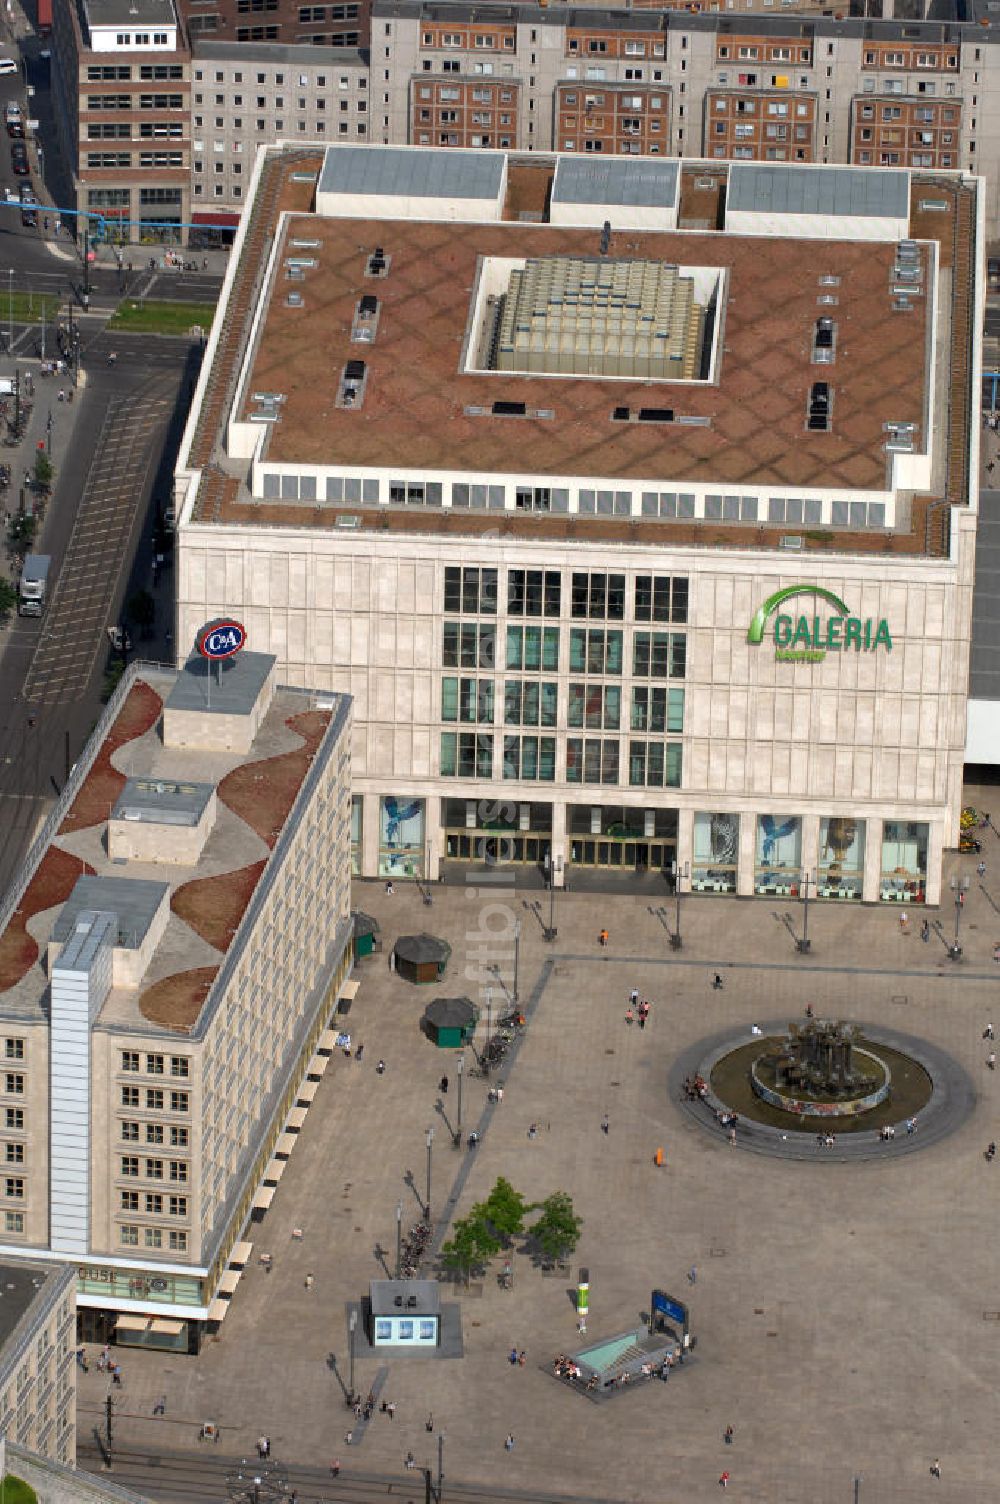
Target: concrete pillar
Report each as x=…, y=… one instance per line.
x=748, y=846
x=685, y=839
x=935, y=858
x=873, y=861
x=559, y=846
x=369, y=835
x=433, y=838
x=810, y=850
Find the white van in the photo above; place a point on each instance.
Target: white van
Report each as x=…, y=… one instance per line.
x=8, y=65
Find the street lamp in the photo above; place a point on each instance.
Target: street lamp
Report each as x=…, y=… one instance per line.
x=675, y=939
x=517, y=958
x=257, y=1482
x=430, y=1146
x=10, y=309
x=802, y=946
x=959, y=886
x=399, y=1238
x=489, y=1014
x=352, y=1327
x=458, y=1131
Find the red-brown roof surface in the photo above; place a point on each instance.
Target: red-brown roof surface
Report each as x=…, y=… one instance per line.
x=413, y=412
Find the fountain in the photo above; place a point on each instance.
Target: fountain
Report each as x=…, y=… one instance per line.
x=820, y=1069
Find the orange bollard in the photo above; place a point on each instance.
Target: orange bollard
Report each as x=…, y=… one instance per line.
x=658, y=1157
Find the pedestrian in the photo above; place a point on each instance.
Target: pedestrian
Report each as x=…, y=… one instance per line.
x=512, y=1360
x=605, y=1125
x=989, y=1155
x=724, y=1480
x=443, y=1086
x=359, y=1052
x=996, y=954
x=717, y=982
x=732, y=1138
x=693, y=1275
x=499, y=1091
x=809, y=1010
x=380, y=1068
x=429, y=1424
x=160, y=1408
x=628, y=1015
x=603, y=939
x=988, y=1031
x=62, y=395
x=391, y=1409
x=642, y=1018
x=533, y=1130
x=335, y=1467
x=309, y=1281
x=349, y=1439
x=522, y=1358
x=936, y=1468
x=409, y=1461
x=911, y=1126
x=727, y=1436
x=116, y=1375
x=633, y=996
x=981, y=869
x=991, y=1060
x=389, y=890
x=509, y=1443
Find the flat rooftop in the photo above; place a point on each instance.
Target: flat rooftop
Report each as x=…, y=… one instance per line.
x=20, y=1284
x=158, y=801
x=207, y=900
x=415, y=412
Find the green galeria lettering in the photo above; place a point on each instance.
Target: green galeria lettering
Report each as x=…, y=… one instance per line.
x=852, y=633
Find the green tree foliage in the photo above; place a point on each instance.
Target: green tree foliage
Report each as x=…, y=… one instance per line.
x=8, y=599
x=505, y=1209
x=142, y=610
x=43, y=470
x=557, y=1230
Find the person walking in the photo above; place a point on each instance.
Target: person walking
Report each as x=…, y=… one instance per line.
x=335, y=1468
x=509, y=1443
x=717, y=982
x=605, y=1125
x=724, y=1480
x=429, y=1424
x=991, y=1060
x=160, y=1408
x=988, y=1031
x=936, y=1468
x=727, y=1436
x=693, y=1275
x=981, y=869
x=603, y=939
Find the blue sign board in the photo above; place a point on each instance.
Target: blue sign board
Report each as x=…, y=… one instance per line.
x=221, y=639
x=666, y=1305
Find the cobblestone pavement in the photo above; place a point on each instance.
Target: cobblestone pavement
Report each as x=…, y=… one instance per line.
x=847, y=1314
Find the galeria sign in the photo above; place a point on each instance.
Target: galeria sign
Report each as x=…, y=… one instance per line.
x=808, y=639
x=221, y=639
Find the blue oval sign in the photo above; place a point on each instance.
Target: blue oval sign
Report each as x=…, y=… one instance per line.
x=221, y=639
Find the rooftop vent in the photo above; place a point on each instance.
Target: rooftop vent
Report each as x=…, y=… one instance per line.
x=606, y=237
x=353, y=381
x=510, y=410
x=377, y=264
x=819, y=407
x=824, y=342
x=656, y=415
x=294, y=300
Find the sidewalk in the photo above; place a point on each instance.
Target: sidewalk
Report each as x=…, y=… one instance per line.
x=22, y=458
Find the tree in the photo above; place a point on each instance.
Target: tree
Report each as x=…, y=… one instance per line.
x=142, y=610
x=43, y=470
x=8, y=599
x=22, y=532
x=472, y=1243
x=505, y=1209
x=557, y=1230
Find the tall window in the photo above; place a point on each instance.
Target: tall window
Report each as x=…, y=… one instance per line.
x=593, y=651
x=467, y=700
x=661, y=598
x=599, y=596
x=470, y=591
x=469, y=645
x=530, y=703
x=466, y=754
x=533, y=592
x=654, y=764
x=659, y=655
x=591, y=759
x=533, y=648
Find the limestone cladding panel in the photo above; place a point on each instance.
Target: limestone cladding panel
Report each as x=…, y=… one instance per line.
x=34, y=1103
x=876, y=727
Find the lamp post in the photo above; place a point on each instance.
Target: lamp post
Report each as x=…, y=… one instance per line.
x=802, y=946
x=352, y=1327
x=430, y=1147
x=10, y=309
x=517, y=958
x=675, y=939
x=959, y=886
x=257, y=1482
x=553, y=864
x=399, y=1238
x=458, y=1130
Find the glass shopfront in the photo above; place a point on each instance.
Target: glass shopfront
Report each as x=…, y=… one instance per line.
x=778, y=856
x=716, y=853
x=501, y=831
x=401, y=837
x=613, y=835
x=904, y=861
x=841, y=858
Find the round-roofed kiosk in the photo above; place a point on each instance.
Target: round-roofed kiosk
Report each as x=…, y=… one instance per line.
x=421, y=958
x=450, y=1022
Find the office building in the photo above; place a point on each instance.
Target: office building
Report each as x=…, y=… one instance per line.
x=636, y=541
x=38, y=1357
x=170, y=956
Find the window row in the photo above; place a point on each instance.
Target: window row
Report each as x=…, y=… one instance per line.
x=156, y=1065
x=154, y=1203
x=154, y=1169
x=156, y=1099
x=155, y=1237
x=474, y=591
x=592, y=650
x=531, y=703
x=156, y=1133
x=593, y=760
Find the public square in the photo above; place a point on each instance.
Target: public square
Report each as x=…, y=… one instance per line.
x=846, y=1314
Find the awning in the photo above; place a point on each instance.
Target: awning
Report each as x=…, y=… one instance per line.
x=168, y=1328
x=350, y=988
x=274, y=1171
x=328, y=1040
x=229, y=1281
x=241, y=1253
x=132, y=1324
x=217, y=1310
x=263, y=1198
x=308, y=1090
x=285, y=1144
x=318, y=1065
x=218, y=221
x=296, y=1118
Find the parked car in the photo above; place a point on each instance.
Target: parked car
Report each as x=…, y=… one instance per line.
x=19, y=161
x=15, y=129
x=7, y=65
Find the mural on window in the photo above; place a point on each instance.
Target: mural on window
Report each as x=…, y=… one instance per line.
x=777, y=869
x=716, y=853
x=401, y=837
x=841, y=858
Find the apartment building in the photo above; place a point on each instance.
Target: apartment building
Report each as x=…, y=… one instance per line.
x=170, y=956
x=248, y=94
x=545, y=517
x=38, y=1357
x=121, y=96
x=289, y=23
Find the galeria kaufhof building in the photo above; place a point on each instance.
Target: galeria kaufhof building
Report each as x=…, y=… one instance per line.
x=632, y=501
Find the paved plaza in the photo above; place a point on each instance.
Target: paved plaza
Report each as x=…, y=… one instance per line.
x=847, y=1314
